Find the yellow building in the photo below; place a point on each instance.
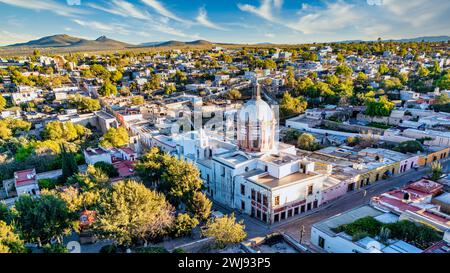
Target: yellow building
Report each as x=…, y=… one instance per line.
x=436, y=153
x=374, y=175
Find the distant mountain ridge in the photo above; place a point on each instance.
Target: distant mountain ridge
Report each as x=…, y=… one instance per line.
x=66, y=41
x=407, y=40
x=179, y=43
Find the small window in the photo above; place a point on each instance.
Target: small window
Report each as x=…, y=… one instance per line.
x=276, y=218
x=265, y=201
x=315, y=204
x=264, y=217
x=296, y=210
x=289, y=214
x=310, y=190
x=321, y=242
x=242, y=205
x=277, y=200
x=242, y=189
x=259, y=198
x=253, y=194
x=302, y=209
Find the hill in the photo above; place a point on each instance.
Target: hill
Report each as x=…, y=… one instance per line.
x=66, y=41
x=177, y=43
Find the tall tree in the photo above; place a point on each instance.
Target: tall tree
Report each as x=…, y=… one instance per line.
x=115, y=138
x=129, y=213
x=9, y=240
x=225, y=230
x=43, y=219
x=68, y=164
x=200, y=206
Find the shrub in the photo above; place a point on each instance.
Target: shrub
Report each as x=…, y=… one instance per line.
x=108, y=249
x=107, y=168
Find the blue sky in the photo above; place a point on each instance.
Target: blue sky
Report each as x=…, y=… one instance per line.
x=234, y=21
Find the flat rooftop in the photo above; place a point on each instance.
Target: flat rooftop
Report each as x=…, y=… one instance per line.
x=273, y=182
x=346, y=218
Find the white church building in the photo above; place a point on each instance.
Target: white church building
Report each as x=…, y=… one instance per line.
x=255, y=173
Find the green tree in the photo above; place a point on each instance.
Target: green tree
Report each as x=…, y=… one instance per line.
x=116, y=76
x=200, y=206
x=115, y=138
x=9, y=240
x=107, y=168
x=443, y=98
x=344, y=70
x=5, y=214
x=233, y=94
x=383, y=69
x=411, y=146
x=444, y=82
x=108, y=89
x=423, y=72
x=57, y=130
x=225, y=230
x=84, y=104
x=183, y=225
x=169, y=89
x=307, y=142
x=68, y=164
x=436, y=170
x=137, y=100
x=2, y=103
x=130, y=213
x=43, y=219
x=382, y=107
x=181, y=180
x=290, y=106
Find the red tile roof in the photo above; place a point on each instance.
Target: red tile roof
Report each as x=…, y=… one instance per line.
x=124, y=167
x=25, y=177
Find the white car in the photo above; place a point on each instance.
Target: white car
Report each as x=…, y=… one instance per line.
x=216, y=214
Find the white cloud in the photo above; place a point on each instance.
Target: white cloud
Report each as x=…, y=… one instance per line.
x=278, y=3
x=47, y=5
x=95, y=25
x=265, y=10
x=334, y=17
x=161, y=9
x=269, y=35
x=9, y=38
x=417, y=12
x=202, y=19
x=122, y=8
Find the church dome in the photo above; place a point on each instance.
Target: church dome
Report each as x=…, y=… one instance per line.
x=256, y=110
x=256, y=125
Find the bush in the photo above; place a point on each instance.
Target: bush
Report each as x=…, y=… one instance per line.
x=152, y=249
x=411, y=146
x=107, y=168
x=109, y=249
x=364, y=225
x=178, y=250
x=47, y=183
x=419, y=235
x=55, y=248
x=184, y=224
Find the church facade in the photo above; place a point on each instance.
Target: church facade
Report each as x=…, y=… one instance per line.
x=254, y=173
